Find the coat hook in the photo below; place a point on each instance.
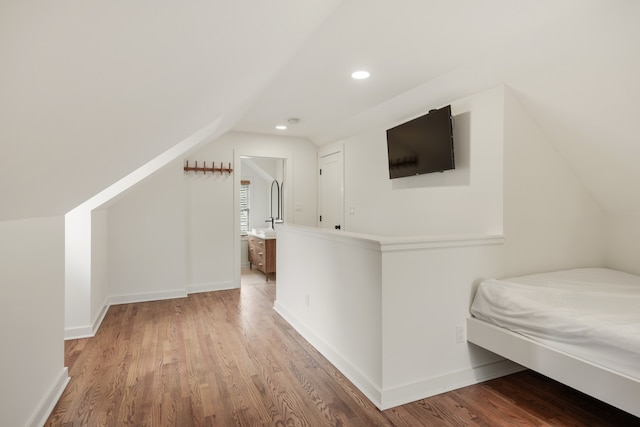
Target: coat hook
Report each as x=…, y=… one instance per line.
x=204, y=169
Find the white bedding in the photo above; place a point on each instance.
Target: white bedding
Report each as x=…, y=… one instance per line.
x=592, y=313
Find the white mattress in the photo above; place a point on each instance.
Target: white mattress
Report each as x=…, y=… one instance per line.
x=592, y=313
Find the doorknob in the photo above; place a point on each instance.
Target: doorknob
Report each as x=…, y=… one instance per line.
x=338, y=227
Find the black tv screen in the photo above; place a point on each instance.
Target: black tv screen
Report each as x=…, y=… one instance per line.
x=422, y=145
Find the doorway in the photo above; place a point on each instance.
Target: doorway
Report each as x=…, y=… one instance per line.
x=262, y=193
x=331, y=190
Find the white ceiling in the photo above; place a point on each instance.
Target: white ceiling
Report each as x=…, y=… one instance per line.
x=92, y=90
x=403, y=44
x=574, y=65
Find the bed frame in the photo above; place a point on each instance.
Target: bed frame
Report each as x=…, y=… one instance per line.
x=604, y=384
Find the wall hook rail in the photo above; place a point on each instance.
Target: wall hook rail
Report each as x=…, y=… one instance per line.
x=204, y=169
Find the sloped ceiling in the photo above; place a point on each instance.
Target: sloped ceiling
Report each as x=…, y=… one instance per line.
x=92, y=90
x=573, y=64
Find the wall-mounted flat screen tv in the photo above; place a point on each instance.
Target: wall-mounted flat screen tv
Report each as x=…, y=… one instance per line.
x=422, y=145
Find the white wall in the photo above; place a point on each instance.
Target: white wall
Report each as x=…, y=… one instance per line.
x=244, y=252
x=210, y=229
x=259, y=194
x=437, y=203
x=426, y=296
x=211, y=260
x=329, y=289
x=549, y=222
x=147, y=239
x=623, y=241
x=504, y=155
x=77, y=260
x=175, y=233
x=99, y=264
x=260, y=207
x=300, y=155
x=31, y=319
x=87, y=284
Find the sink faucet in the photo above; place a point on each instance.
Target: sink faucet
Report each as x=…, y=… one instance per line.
x=271, y=220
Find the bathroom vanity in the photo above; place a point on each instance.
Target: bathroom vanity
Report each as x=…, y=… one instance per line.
x=262, y=252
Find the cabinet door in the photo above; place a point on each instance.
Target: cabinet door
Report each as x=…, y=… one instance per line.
x=270, y=256
x=251, y=245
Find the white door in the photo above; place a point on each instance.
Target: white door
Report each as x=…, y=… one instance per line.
x=331, y=191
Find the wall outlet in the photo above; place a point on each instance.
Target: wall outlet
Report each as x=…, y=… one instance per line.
x=461, y=334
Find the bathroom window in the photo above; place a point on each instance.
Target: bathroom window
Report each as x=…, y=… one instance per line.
x=245, y=204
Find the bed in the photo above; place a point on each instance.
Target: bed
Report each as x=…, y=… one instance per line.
x=580, y=327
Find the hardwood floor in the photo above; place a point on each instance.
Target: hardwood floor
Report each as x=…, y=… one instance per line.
x=227, y=359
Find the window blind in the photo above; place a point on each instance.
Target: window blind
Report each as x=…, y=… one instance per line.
x=245, y=205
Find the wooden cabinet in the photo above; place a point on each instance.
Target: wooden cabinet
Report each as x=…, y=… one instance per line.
x=262, y=254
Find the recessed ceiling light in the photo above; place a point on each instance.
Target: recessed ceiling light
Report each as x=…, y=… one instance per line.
x=359, y=75
x=281, y=127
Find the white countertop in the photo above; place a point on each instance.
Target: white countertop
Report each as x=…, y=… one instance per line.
x=266, y=235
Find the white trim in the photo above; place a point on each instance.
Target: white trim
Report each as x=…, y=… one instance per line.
x=432, y=386
x=87, y=331
x=90, y=330
x=388, y=398
x=398, y=243
x=148, y=296
x=211, y=287
x=329, y=149
x=50, y=400
x=362, y=382
x=362, y=240
x=196, y=140
x=436, y=242
x=79, y=332
x=100, y=317
x=600, y=382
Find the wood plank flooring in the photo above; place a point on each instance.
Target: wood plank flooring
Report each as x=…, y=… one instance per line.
x=227, y=359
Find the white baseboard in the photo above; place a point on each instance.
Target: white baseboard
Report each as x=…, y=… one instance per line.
x=90, y=330
x=87, y=331
x=361, y=381
x=100, y=317
x=210, y=287
x=147, y=296
x=78, y=333
x=50, y=399
x=389, y=398
x=432, y=386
